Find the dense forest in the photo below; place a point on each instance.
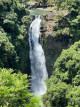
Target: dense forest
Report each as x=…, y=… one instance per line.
x=14, y=55
x=63, y=88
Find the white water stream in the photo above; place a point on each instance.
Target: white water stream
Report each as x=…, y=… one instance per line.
x=37, y=58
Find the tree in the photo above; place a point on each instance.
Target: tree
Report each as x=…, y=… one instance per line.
x=7, y=51
x=67, y=65
x=56, y=95
x=64, y=84
x=71, y=21
x=73, y=97
x=14, y=90
x=14, y=22
x=45, y=3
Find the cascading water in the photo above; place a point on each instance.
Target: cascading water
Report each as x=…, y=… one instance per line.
x=37, y=58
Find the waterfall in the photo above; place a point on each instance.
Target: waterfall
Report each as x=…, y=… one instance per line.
x=37, y=58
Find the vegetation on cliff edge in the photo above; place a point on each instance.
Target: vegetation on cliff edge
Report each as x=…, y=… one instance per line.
x=64, y=84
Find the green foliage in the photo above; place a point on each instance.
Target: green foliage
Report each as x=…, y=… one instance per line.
x=70, y=21
x=60, y=3
x=68, y=63
x=7, y=51
x=56, y=95
x=45, y=3
x=25, y=20
x=14, y=23
x=72, y=5
x=14, y=90
x=63, y=85
x=74, y=97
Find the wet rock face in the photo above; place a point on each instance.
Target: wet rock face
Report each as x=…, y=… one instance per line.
x=51, y=44
x=43, y=28
x=32, y=4
x=52, y=50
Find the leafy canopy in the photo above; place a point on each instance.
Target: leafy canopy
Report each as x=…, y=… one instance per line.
x=14, y=90
x=64, y=84
x=14, y=23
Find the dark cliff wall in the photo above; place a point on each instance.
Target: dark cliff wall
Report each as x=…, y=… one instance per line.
x=52, y=45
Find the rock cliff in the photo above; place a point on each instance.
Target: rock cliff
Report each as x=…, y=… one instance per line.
x=51, y=44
